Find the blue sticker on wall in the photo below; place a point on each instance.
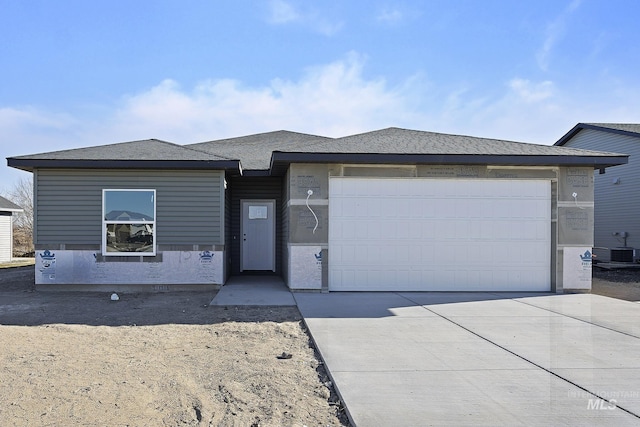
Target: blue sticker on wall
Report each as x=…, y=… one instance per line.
x=206, y=256
x=48, y=258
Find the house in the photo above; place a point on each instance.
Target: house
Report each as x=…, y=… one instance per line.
x=392, y=209
x=616, y=193
x=7, y=209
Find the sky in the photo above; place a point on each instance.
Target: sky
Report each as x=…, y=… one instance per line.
x=77, y=73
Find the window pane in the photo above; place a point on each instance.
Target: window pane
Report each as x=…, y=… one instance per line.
x=129, y=237
x=122, y=205
x=257, y=212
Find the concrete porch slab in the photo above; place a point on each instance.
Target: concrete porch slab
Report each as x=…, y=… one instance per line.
x=254, y=290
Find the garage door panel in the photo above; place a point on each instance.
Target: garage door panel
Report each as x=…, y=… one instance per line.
x=530, y=209
x=415, y=256
x=401, y=253
x=462, y=229
x=404, y=230
x=431, y=234
x=483, y=209
x=376, y=209
x=337, y=208
x=426, y=230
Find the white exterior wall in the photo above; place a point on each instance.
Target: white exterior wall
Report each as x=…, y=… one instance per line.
x=77, y=267
x=616, y=193
x=6, y=237
x=304, y=268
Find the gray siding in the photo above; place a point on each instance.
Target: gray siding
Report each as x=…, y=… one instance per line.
x=6, y=236
x=189, y=204
x=285, y=228
x=617, y=206
x=227, y=232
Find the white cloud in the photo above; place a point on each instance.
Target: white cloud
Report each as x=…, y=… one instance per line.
x=334, y=99
x=553, y=33
x=531, y=92
x=390, y=16
x=326, y=27
x=16, y=118
x=282, y=12
x=528, y=111
x=28, y=130
x=524, y=111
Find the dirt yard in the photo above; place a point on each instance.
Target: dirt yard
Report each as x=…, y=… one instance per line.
x=80, y=359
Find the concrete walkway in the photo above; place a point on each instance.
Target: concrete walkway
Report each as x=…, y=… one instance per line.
x=414, y=359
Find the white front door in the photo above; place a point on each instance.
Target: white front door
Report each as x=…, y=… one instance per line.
x=258, y=230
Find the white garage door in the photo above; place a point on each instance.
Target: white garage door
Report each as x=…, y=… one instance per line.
x=418, y=234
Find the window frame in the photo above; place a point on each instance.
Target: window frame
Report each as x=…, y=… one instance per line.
x=106, y=222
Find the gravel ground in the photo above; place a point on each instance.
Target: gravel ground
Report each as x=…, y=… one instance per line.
x=631, y=275
x=618, y=283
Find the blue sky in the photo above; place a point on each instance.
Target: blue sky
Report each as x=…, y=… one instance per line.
x=78, y=73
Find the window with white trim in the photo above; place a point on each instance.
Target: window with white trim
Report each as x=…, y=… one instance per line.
x=128, y=222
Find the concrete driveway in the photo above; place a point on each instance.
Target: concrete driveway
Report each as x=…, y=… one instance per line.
x=415, y=359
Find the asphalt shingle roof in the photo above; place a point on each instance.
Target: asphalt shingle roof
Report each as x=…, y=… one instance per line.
x=404, y=141
x=257, y=152
x=626, y=127
x=254, y=151
x=147, y=150
x=8, y=206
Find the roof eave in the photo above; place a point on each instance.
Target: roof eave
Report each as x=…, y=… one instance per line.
x=31, y=164
x=281, y=159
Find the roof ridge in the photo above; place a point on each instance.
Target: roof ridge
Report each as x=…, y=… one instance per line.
x=186, y=147
x=610, y=123
x=260, y=134
x=620, y=127
x=440, y=133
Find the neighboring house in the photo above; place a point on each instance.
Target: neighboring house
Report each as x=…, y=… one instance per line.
x=7, y=209
x=616, y=193
x=392, y=209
